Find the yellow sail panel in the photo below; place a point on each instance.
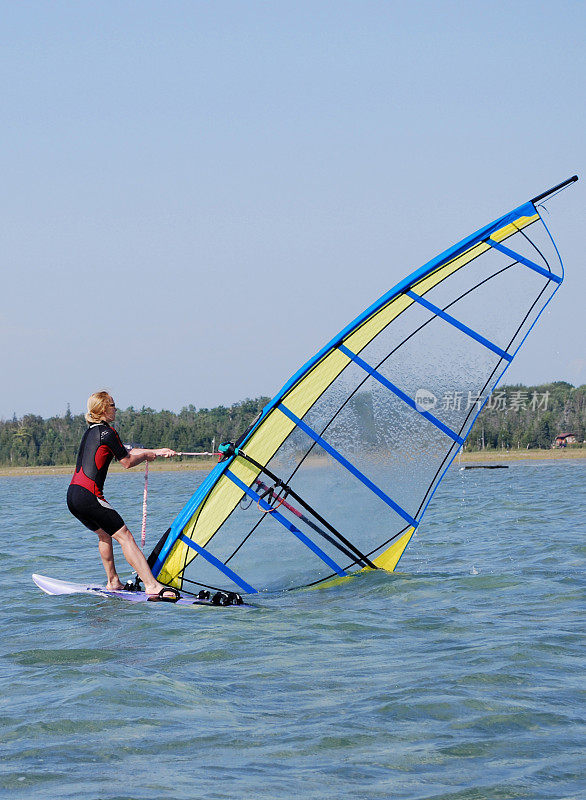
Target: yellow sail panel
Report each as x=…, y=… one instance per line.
x=217, y=506
x=390, y=558
x=303, y=395
x=224, y=496
x=362, y=336
x=273, y=431
x=514, y=227
x=174, y=564
x=427, y=283
x=208, y=518
x=280, y=423
x=267, y=438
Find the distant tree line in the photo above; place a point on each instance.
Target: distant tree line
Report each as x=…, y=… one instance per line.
x=34, y=441
x=515, y=417
x=525, y=417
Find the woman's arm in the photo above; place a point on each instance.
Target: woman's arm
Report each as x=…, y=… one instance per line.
x=138, y=454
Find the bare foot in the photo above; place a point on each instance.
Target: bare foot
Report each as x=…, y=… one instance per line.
x=115, y=586
x=154, y=588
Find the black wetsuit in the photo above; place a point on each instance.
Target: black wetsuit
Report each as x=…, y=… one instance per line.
x=85, y=498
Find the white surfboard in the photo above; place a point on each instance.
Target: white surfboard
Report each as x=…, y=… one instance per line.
x=54, y=586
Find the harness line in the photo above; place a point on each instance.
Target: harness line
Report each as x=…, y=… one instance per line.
x=144, y=504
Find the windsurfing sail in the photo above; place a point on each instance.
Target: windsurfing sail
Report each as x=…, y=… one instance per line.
x=370, y=423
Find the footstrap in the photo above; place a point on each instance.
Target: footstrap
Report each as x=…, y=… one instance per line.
x=161, y=598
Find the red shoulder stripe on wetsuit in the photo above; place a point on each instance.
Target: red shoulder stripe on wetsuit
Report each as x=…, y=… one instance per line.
x=99, y=445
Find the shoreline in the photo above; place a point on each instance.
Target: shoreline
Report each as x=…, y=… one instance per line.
x=67, y=469
x=488, y=456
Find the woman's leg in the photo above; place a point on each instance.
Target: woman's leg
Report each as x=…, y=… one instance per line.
x=107, y=556
x=135, y=557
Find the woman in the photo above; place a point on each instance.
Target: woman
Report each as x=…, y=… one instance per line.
x=85, y=499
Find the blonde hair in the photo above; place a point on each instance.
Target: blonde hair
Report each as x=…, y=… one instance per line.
x=97, y=406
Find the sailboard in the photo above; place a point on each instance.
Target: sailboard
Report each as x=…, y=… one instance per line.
x=55, y=586
x=368, y=427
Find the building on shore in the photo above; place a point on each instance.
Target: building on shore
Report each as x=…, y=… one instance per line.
x=564, y=439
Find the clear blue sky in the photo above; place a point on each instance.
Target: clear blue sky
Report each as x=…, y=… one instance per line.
x=197, y=195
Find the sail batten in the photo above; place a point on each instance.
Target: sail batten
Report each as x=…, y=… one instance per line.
x=347, y=465
x=290, y=527
x=460, y=325
x=218, y=564
x=371, y=423
x=404, y=397
x=522, y=260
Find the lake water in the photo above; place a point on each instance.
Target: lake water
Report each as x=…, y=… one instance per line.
x=460, y=678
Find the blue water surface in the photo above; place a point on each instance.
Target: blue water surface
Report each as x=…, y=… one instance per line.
x=459, y=677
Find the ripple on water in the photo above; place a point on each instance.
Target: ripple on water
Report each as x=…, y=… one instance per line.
x=459, y=678
x=69, y=656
